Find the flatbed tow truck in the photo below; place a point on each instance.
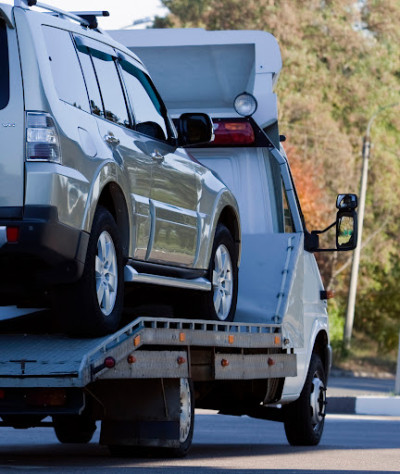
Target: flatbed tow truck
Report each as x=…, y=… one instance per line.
x=135, y=380
x=144, y=381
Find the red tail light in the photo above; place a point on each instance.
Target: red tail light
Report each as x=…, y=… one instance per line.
x=12, y=234
x=233, y=132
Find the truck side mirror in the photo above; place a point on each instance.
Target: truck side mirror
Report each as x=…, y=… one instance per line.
x=346, y=201
x=194, y=129
x=346, y=227
x=346, y=230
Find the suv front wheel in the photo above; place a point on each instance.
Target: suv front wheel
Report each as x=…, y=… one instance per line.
x=95, y=302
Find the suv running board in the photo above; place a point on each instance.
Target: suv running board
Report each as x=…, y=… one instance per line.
x=131, y=275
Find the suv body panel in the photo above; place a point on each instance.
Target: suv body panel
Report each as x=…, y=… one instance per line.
x=12, y=129
x=166, y=205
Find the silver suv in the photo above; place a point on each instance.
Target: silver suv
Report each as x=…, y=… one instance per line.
x=96, y=187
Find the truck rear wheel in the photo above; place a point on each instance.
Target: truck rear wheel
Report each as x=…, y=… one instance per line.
x=304, y=419
x=93, y=306
x=220, y=303
x=186, y=419
x=158, y=447
x=74, y=428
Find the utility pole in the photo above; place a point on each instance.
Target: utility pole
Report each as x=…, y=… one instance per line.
x=351, y=303
x=357, y=251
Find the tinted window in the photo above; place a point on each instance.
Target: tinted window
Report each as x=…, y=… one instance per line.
x=65, y=67
x=146, y=107
x=4, y=71
x=96, y=104
x=110, y=86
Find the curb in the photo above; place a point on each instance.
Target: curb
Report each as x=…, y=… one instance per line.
x=364, y=405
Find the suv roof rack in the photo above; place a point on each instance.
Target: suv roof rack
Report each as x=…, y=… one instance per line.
x=86, y=18
x=91, y=17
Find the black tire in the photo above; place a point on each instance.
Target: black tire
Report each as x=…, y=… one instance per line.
x=304, y=419
x=187, y=419
x=74, y=428
x=86, y=311
x=219, y=304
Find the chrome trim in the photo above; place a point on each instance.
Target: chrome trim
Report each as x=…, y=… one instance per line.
x=131, y=275
x=3, y=235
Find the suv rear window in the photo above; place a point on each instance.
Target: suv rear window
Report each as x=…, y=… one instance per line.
x=4, y=70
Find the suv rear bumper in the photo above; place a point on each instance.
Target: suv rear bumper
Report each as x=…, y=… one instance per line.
x=57, y=250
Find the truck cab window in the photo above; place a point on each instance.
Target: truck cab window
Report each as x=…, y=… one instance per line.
x=288, y=224
x=147, y=109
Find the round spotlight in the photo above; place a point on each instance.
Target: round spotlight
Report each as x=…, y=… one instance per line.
x=245, y=104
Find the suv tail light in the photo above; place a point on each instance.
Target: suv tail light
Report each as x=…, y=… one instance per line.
x=42, y=142
x=233, y=132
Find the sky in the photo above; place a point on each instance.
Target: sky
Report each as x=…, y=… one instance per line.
x=122, y=12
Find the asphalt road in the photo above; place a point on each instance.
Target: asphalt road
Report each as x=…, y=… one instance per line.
x=222, y=444
x=356, y=386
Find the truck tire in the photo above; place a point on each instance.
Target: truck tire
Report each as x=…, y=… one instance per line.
x=186, y=422
x=74, y=428
x=93, y=306
x=220, y=303
x=304, y=419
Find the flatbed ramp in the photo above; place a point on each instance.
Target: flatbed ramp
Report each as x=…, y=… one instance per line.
x=145, y=348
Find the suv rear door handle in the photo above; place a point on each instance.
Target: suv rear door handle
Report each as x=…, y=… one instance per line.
x=112, y=140
x=157, y=156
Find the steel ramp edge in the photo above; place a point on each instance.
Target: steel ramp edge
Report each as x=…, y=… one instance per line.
x=180, y=332
x=28, y=360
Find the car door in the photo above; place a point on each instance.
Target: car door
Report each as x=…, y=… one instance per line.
x=122, y=143
x=174, y=193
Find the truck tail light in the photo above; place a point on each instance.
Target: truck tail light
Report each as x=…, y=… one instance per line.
x=12, y=234
x=233, y=132
x=42, y=141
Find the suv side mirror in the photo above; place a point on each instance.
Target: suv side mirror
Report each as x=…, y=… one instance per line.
x=346, y=226
x=194, y=129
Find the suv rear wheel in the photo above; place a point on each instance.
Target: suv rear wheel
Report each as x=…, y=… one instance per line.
x=95, y=302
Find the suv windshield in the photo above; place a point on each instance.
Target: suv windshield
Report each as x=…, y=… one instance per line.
x=4, y=72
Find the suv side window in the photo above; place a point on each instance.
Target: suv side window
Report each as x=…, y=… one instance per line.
x=65, y=68
x=115, y=108
x=96, y=104
x=5, y=73
x=147, y=108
